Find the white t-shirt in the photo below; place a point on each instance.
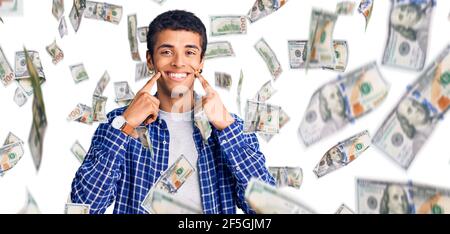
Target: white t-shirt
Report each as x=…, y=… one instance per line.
x=181, y=131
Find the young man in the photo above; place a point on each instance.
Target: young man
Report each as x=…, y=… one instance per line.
x=119, y=168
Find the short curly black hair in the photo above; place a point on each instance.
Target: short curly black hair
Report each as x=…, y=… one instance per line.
x=176, y=20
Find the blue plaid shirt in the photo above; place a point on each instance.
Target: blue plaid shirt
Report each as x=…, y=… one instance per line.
x=118, y=168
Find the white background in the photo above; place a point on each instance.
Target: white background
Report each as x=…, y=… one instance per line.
x=104, y=46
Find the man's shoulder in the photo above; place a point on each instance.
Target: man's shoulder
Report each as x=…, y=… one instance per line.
x=116, y=112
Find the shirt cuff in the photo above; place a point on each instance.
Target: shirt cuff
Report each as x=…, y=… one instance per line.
x=116, y=140
x=232, y=137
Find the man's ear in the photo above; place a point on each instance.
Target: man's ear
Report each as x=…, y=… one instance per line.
x=149, y=61
x=200, y=66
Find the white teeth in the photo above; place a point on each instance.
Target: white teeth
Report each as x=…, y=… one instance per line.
x=177, y=75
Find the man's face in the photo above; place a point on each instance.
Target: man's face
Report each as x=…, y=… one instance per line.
x=405, y=16
x=413, y=112
x=175, y=55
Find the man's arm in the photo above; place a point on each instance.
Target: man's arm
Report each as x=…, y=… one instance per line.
x=245, y=160
x=96, y=179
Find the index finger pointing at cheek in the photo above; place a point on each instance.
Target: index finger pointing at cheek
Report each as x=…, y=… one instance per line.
x=149, y=85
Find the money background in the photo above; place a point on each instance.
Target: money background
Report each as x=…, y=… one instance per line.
x=104, y=46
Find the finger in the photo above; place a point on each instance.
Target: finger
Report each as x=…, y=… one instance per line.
x=135, y=135
x=151, y=118
x=148, y=86
x=206, y=86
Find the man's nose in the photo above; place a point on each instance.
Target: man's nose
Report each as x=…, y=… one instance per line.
x=178, y=61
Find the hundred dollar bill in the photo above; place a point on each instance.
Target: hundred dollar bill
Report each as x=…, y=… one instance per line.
x=266, y=199
x=39, y=124
x=75, y=208
x=55, y=52
x=30, y=206
x=261, y=117
x=283, y=119
x=320, y=48
x=142, y=71
x=365, y=8
x=239, y=89
x=345, y=8
x=10, y=153
x=123, y=91
x=409, y=24
x=6, y=72
x=58, y=8
x=201, y=120
x=262, y=8
x=341, y=101
x=78, y=150
x=101, y=84
x=265, y=92
x=62, y=28
x=412, y=121
x=144, y=138
x=343, y=153
x=219, y=49
x=287, y=176
x=228, y=24
x=22, y=76
x=82, y=114
x=75, y=16
x=78, y=73
x=165, y=203
x=343, y=209
x=11, y=8
x=142, y=34
x=431, y=200
x=20, y=97
x=132, y=37
x=297, y=55
x=103, y=11
x=269, y=57
x=99, y=109
x=223, y=80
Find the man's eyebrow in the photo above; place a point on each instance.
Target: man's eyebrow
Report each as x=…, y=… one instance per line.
x=171, y=46
x=192, y=46
x=165, y=46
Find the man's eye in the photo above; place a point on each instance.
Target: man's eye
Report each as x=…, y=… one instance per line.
x=189, y=52
x=166, y=52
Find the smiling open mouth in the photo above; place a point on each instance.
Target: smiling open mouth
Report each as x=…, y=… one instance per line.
x=177, y=76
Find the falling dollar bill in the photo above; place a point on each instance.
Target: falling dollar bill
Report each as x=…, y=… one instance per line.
x=10, y=153
x=345, y=8
x=287, y=176
x=78, y=73
x=39, y=125
x=124, y=94
x=103, y=11
x=201, y=120
x=388, y=197
x=365, y=8
x=11, y=8
x=223, y=80
x=22, y=75
x=99, y=109
x=266, y=199
x=409, y=24
x=6, y=72
x=343, y=209
x=78, y=151
x=269, y=57
x=283, y=119
x=142, y=34
x=239, y=89
x=262, y=8
x=76, y=14
x=170, y=180
x=142, y=71
x=58, y=9
x=144, y=138
x=344, y=100
x=320, y=48
x=101, y=84
x=62, y=28
x=132, y=37
x=411, y=122
x=228, y=24
x=343, y=153
x=75, y=208
x=20, y=97
x=82, y=114
x=30, y=206
x=261, y=117
x=297, y=55
x=219, y=49
x=55, y=52
x=265, y=92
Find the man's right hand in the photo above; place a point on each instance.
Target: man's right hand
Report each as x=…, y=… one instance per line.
x=144, y=107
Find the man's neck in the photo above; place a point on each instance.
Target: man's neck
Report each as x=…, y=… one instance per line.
x=181, y=104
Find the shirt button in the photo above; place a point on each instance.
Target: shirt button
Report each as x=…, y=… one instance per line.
x=121, y=147
x=109, y=173
x=238, y=168
x=224, y=141
x=164, y=142
x=159, y=121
